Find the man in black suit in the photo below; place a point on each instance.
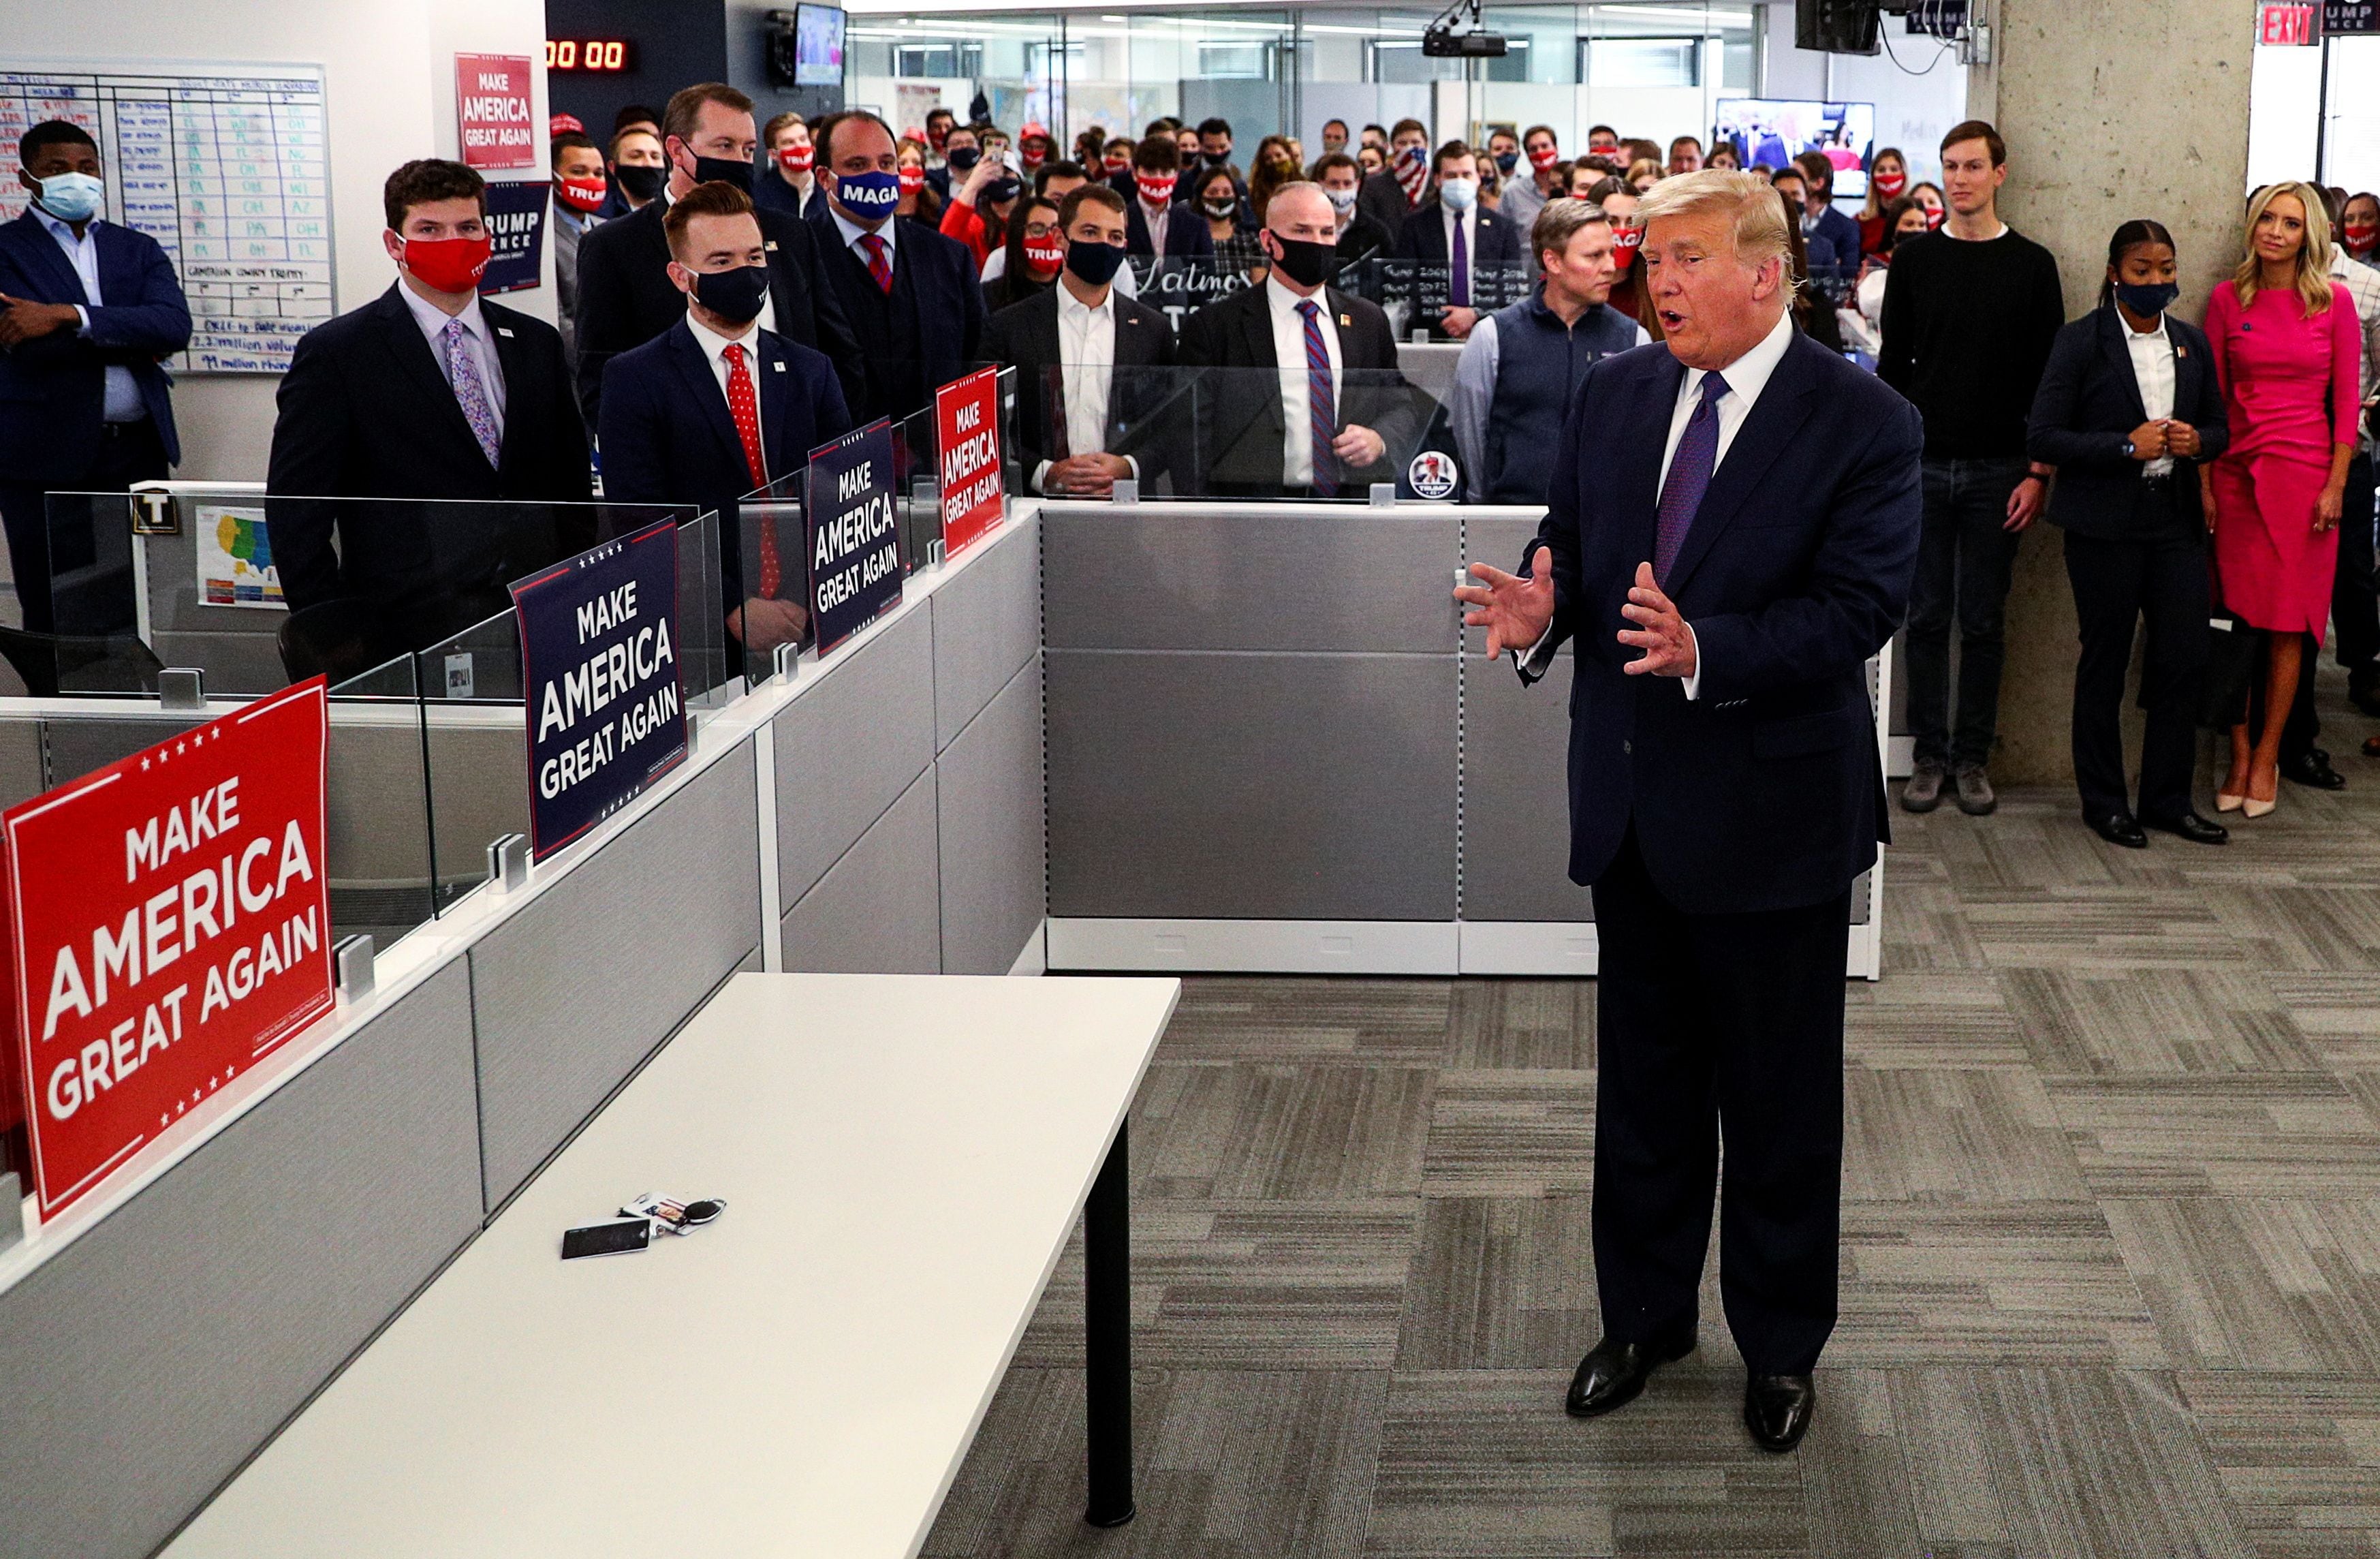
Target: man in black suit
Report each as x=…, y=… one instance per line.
x=1395, y=192
x=911, y=293
x=1731, y=533
x=1095, y=394
x=715, y=407
x=624, y=296
x=1159, y=220
x=428, y=392
x=87, y=309
x=1266, y=430
x=1451, y=230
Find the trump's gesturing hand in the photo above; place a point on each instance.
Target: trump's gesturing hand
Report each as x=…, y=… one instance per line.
x=1514, y=609
x=1667, y=643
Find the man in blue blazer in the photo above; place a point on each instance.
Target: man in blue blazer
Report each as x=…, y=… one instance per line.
x=1459, y=239
x=1160, y=219
x=912, y=295
x=716, y=408
x=1725, y=578
x=86, y=312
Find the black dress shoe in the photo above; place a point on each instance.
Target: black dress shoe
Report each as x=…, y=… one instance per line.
x=1777, y=1410
x=2193, y=827
x=2364, y=694
x=2312, y=770
x=1614, y=1374
x=2118, y=828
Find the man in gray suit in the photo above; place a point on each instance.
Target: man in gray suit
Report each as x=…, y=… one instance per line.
x=579, y=190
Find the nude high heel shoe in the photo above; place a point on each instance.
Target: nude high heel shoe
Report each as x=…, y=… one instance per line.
x=2227, y=802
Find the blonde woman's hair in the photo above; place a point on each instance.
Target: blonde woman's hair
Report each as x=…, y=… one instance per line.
x=2312, y=283
x=1760, y=231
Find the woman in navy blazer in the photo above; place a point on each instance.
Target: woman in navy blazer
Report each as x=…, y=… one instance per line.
x=2128, y=410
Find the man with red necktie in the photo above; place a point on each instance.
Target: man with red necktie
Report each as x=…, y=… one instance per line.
x=716, y=408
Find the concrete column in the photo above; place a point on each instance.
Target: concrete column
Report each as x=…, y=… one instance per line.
x=2107, y=115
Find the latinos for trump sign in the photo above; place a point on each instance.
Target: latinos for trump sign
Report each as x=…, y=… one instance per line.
x=854, y=535
x=168, y=927
x=599, y=656
x=493, y=118
x=967, y=425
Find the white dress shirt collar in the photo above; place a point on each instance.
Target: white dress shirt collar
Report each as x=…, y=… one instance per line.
x=1073, y=308
x=714, y=345
x=1749, y=374
x=62, y=231
x=433, y=320
x=1284, y=301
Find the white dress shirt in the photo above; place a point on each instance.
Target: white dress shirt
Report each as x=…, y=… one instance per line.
x=1468, y=220
x=1158, y=217
x=121, y=397
x=433, y=321
x=1289, y=354
x=2153, y=371
x=1746, y=377
x=1087, y=372
x=714, y=352
x=2363, y=284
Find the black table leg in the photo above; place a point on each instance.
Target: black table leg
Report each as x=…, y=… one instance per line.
x=1107, y=1337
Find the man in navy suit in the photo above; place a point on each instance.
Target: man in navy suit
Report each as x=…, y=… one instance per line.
x=1158, y=219
x=715, y=407
x=1725, y=578
x=911, y=293
x=1453, y=231
x=87, y=309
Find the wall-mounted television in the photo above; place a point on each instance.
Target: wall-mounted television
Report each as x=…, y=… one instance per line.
x=818, y=46
x=1768, y=133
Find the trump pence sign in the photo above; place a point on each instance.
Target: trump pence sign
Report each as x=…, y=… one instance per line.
x=168, y=928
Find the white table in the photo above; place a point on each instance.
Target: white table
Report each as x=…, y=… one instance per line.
x=903, y=1159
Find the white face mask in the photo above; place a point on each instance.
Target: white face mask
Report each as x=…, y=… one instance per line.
x=1457, y=193
x=1343, y=201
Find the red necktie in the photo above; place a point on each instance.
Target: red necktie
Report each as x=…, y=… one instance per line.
x=879, y=263
x=746, y=410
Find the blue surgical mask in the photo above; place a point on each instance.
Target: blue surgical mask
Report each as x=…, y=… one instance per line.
x=1457, y=193
x=2148, y=299
x=869, y=195
x=72, y=197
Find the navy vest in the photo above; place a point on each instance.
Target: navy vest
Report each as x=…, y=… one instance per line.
x=1540, y=361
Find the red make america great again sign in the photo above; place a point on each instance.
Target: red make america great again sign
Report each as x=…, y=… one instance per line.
x=168, y=927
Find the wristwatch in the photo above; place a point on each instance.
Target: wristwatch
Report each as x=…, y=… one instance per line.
x=2129, y=449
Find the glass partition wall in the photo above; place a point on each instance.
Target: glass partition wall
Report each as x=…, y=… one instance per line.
x=1656, y=70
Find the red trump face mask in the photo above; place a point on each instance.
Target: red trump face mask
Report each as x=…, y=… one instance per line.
x=449, y=265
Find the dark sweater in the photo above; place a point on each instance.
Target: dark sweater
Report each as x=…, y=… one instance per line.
x=1967, y=328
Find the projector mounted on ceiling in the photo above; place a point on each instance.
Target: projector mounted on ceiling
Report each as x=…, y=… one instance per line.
x=1443, y=41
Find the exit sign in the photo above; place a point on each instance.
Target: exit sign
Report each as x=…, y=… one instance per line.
x=2286, y=23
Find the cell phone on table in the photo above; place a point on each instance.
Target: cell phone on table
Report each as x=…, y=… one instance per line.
x=607, y=1240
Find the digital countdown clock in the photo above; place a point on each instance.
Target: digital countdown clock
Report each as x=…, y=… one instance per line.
x=606, y=54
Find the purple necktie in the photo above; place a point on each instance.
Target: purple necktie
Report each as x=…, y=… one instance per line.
x=463, y=373
x=1459, y=291
x=1690, y=474
x=1322, y=411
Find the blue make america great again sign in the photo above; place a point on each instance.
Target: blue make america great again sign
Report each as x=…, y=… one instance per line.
x=852, y=533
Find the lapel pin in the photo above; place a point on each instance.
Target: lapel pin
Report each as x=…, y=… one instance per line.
x=778, y=365
x=770, y=248
x=2182, y=351
x=503, y=332
x=1345, y=321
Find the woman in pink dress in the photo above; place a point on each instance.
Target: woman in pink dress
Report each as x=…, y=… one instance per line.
x=2286, y=352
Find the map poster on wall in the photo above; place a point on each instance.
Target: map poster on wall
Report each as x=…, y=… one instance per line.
x=227, y=167
x=235, y=559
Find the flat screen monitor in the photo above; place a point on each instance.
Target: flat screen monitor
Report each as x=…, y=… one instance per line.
x=818, y=46
x=1768, y=133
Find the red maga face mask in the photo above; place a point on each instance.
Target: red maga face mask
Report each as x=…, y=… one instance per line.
x=912, y=181
x=1890, y=185
x=1933, y=216
x=584, y=195
x=2361, y=237
x=1117, y=165
x=1625, y=242
x=798, y=159
x=1043, y=256
x=449, y=265
x=1156, y=191
x=1545, y=157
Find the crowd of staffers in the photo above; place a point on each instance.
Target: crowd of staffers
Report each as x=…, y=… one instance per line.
x=736, y=293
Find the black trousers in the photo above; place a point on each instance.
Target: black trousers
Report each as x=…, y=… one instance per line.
x=2117, y=583
x=1966, y=556
x=2354, y=612
x=1711, y=1026
x=128, y=452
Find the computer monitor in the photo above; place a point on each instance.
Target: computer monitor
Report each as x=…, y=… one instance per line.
x=1768, y=133
x=818, y=46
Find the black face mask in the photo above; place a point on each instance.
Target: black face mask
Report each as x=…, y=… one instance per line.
x=1093, y=264
x=1000, y=191
x=640, y=184
x=1219, y=209
x=735, y=296
x=1217, y=159
x=1307, y=264
x=962, y=159
x=724, y=170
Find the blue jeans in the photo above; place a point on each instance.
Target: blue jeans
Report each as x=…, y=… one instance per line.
x=1965, y=559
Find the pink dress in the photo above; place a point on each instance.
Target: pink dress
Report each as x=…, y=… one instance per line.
x=2290, y=389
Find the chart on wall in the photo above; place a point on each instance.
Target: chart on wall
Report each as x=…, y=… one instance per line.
x=228, y=166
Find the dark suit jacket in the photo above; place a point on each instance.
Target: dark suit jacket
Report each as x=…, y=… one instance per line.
x=667, y=436
x=1423, y=237
x=1382, y=198
x=935, y=279
x=1240, y=426
x=770, y=192
x=2090, y=402
x=53, y=390
x=366, y=413
x=626, y=297
x=1145, y=407
x=1365, y=240
x=1767, y=793
x=1185, y=230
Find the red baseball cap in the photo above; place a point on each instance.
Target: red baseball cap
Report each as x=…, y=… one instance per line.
x=564, y=124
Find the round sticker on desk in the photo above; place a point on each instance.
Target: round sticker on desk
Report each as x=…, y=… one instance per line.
x=1433, y=474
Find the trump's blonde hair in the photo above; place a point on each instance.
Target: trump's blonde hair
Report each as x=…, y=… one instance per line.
x=1758, y=219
